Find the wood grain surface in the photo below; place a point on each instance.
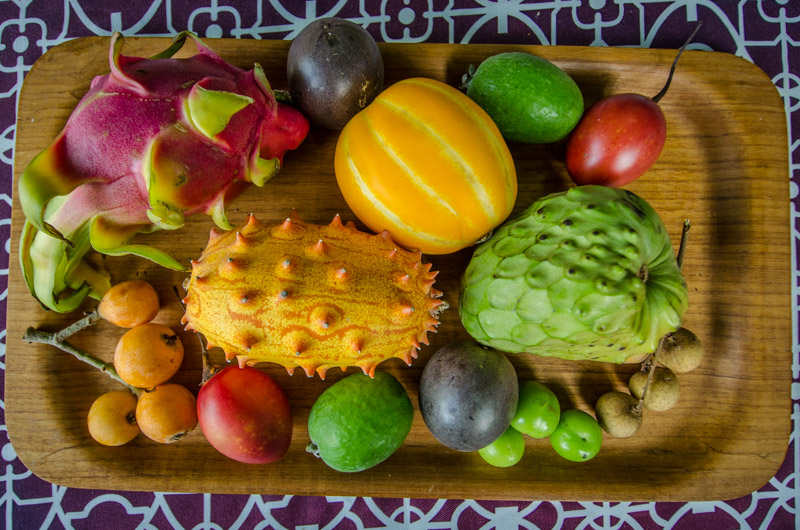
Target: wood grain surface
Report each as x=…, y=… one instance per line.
x=724, y=167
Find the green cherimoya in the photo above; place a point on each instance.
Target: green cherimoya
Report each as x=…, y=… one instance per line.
x=584, y=274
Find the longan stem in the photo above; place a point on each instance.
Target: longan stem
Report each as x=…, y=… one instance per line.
x=650, y=365
x=45, y=337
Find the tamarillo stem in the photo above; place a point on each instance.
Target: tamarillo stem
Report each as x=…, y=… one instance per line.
x=663, y=92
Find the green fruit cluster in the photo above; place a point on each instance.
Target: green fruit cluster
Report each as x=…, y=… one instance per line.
x=573, y=434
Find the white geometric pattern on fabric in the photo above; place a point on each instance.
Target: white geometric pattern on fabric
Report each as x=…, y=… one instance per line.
x=26, y=32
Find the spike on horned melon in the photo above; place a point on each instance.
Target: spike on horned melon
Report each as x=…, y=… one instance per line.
x=313, y=296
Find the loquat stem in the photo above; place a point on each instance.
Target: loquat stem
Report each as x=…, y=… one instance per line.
x=209, y=369
x=57, y=339
x=89, y=320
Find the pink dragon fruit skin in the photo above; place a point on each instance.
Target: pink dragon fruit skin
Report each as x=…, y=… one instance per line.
x=153, y=141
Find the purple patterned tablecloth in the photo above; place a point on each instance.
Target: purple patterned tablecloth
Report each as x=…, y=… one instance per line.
x=766, y=32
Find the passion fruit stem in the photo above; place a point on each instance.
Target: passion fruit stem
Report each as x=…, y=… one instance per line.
x=663, y=92
x=57, y=339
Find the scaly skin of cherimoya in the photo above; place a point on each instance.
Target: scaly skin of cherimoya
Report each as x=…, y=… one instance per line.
x=313, y=296
x=585, y=274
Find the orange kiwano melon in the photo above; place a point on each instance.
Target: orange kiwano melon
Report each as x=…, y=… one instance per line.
x=426, y=163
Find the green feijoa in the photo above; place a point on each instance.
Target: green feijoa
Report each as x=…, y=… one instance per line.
x=358, y=422
x=538, y=410
x=529, y=98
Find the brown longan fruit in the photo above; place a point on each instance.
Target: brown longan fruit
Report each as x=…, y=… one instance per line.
x=681, y=351
x=619, y=414
x=662, y=392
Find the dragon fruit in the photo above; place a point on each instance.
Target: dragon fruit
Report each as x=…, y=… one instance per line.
x=311, y=296
x=151, y=142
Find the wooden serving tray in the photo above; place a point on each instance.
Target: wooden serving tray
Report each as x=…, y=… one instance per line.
x=724, y=167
